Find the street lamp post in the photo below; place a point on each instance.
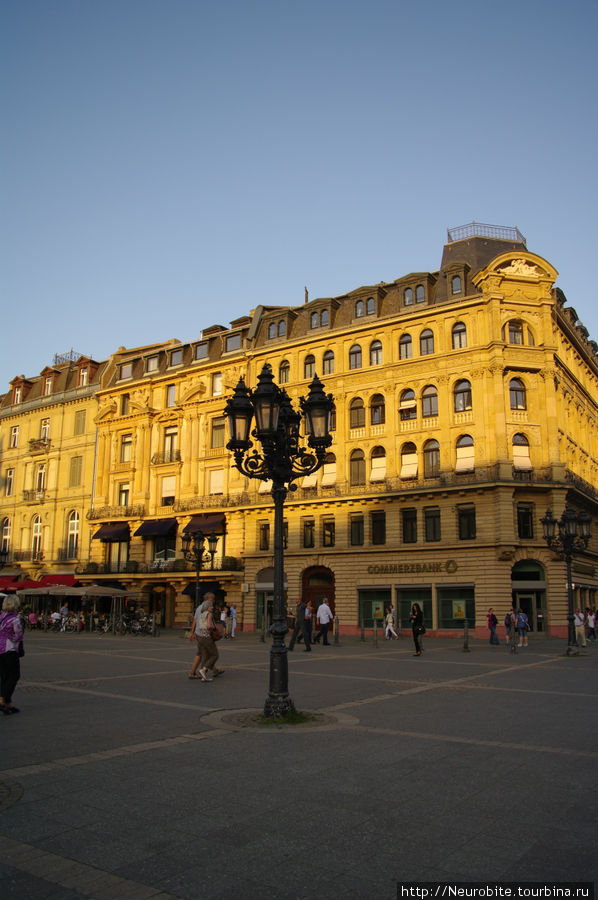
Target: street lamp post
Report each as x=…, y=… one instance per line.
x=565, y=536
x=282, y=460
x=194, y=551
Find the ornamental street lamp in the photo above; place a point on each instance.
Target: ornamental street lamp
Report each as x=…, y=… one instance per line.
x=573, y=536
x=282, y=460
x=194, y=551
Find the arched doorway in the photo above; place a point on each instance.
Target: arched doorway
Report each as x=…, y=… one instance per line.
x=528, y=586
x=318, y=582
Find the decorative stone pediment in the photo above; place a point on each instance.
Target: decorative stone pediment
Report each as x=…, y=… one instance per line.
x=196, y=387
x=520, y=267
x=516, y=266
x=107, y=410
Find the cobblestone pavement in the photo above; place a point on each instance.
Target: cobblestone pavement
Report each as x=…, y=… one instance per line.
x=123, y=778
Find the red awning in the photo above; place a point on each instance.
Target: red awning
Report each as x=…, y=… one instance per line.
x=67, y=580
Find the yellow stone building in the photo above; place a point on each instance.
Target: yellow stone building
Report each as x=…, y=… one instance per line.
x=466, y=405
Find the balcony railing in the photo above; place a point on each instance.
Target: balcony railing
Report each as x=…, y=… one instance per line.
x=479, y=229
x=34, y=496
x=167, y=456
x=39, y=445
x=117, y=512
x=28, y=556
x=157, y=567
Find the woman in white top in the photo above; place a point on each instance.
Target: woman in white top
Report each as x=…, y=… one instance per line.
x=207, y=651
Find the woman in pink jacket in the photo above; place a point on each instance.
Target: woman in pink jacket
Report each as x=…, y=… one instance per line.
x=11, y=648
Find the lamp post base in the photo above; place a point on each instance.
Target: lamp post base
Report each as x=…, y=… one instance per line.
x=277, y=707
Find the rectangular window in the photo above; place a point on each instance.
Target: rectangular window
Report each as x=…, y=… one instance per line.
x=170, y=395
x=264, y=535
x=75, y=469
x=455, y=605
x=409, y=523
x=372, y=603
x=216, y=481
x=124, y=490
x=176, y=358
x=14, y=436
x=378, y=523
x=406, y=597
x=79, y=426
x=40, y=478
x=151, y=364
x=309, y=535
x=83, y=377
x=201, y=351
x=168, y=488
x=126, y=445
x=18, y=395
x=218, y=432
x=525, y=520
x=466, y=519
x=48, y=386
x=44, y=430
x=216, y=384
x=328, y=533
x=170, y=444
x=233, y=342
x=9, y=481
x=356, y=531
x=432, y=523
x=126, y=371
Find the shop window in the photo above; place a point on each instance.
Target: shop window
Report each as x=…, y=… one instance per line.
x=466, y=522
x=355, y=357
x=357, y=467
x=462, y=396
x=405, y=347
x=357, y=413
x=409, y=525
x=405, y=597
x=429, y=402
x=459, y=336
x=517, y=394
x=408, y=461
x=426, y=342
x=432, y=523
x=456, y=605
x=356, y=528
x=378, y=527
x=525, y=521
x=372, y=605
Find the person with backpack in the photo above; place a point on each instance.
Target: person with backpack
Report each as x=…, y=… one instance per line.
x=508, y=623
x=492, y=623
x=522, y=625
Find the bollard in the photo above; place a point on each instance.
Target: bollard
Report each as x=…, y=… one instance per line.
x=336, y=627
x=375, y=632
x=466, y=637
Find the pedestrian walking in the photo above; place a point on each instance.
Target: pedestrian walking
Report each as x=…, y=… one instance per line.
x=301, y=628
x=417, y=627
x=579, y=621
x=233, y=620
x=390, y=624
x=522, y=625
x=492, y=623
x=11, y=649
x=509, y=623
x=309, y=618
x=591, y=623
x=323, y=619
x=202, y=631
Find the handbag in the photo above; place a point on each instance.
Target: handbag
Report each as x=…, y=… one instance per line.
x=215, y=632
x=421, y=629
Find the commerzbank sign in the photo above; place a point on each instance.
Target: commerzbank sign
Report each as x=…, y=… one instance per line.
x=428, y=568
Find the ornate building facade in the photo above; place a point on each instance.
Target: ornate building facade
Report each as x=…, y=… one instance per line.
x=466, y=405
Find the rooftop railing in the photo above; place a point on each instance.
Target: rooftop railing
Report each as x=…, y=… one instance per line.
x=479, y=229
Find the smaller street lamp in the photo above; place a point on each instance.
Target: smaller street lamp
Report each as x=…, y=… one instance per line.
x=194, y=551
x=568, y=535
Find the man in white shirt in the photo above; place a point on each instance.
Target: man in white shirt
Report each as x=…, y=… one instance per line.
x=580, y=627
x=324, y=618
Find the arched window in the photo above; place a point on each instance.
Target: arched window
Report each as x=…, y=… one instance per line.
x=314, y=320
x=420, y=294
x=309, y=366
x=462, y=396
x=272, y=330
x=324, y=317
x=376, y=353
x=329, y=470
x=282, y=328
x=459, y=336
x=426, y=342
x=429, y=402
x=284, y=372
x=5, y=536
x=515, y=332
x=357, y=413
x=431, y=459
x=521, y=457
x=465, y=454
x=360, y=309
x=408, y=296
x=370, y=306
x=408, y=461
x=407, y=406
x=36, y=538
x=405, y=347
x=72, y=546
x=378, y=464
x=355, y=357
x=456, y=284
x=328, y=363
x=517, y=394
x=530, y=338
x=377, y=410
x=357, y=467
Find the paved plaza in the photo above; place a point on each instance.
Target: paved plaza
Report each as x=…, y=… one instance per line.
x=122, y=778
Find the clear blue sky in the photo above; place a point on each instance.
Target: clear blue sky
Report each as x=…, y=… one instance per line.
x=166, y=165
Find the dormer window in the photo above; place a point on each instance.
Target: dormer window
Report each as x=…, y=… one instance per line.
x=370, y=306
x=233, y=342
x=408, y=297
x=420, y=294
x=314, y=321
x=176, y=357
x=282, y=328
x=324, y=317
x=126, y=371
x=17, y=395
x=359, y=309
x=456, y=285
x=151, y=364
x=48, y=385
x=201, y=351
x=83, y=376
x=271, y=330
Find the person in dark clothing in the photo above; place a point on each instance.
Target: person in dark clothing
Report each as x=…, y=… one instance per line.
x=417, y=623
x=301, y=627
